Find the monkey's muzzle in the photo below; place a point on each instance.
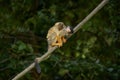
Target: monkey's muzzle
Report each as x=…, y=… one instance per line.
x=69, y=29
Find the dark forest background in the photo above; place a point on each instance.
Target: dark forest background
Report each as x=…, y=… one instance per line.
x=93, y=53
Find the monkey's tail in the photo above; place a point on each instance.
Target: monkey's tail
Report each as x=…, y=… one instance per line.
x=37, y=66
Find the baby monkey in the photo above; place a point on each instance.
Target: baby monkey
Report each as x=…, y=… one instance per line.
x=57, y=35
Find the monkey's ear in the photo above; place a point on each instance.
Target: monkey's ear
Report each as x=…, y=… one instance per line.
x=60, y=27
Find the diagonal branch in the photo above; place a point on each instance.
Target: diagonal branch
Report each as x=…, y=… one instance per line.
x=48, y=53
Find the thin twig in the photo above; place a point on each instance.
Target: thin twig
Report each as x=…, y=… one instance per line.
x=48, y=53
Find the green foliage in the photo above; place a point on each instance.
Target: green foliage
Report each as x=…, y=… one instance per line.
x=91, y=54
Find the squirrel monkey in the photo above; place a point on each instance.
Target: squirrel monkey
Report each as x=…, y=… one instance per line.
x=57, y=34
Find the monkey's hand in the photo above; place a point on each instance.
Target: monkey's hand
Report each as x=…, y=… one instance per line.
x=58, y=42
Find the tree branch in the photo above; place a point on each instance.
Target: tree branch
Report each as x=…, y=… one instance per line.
x=48, y=53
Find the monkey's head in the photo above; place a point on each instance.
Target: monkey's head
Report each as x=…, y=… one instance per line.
x=60, y=25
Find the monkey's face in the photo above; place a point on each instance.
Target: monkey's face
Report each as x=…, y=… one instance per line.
x=69, y=29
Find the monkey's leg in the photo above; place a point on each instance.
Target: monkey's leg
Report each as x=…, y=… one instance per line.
x=63, y=39
x=60, y=42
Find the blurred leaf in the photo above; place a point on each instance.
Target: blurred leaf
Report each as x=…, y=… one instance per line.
x=62, y=72
x=83, y=56
x=21, y=46
x=77, y=54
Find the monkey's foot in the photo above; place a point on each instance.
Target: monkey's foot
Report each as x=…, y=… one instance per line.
x=57, y=44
